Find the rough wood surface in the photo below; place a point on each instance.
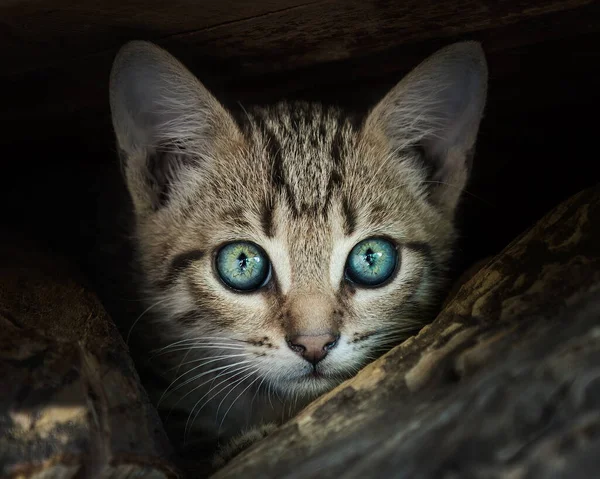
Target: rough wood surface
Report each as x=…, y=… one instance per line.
x=265, y=34
x=505, y=382
x=70, y=404
x=56, y=59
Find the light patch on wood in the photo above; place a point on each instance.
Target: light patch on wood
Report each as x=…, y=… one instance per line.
x=53, y=416
x=420, y=373
x=577, y=232
x=490, y=283
x=370, y=376
x=450, y=329
x=50, y=470
x=21, y=420
x=520, y=281
x=48, y=420
x=65, y=408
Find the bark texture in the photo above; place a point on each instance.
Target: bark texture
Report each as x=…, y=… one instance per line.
x=504, y=383
x=71, y=404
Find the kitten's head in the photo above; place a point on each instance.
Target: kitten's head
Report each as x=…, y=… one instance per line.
x=292, y=240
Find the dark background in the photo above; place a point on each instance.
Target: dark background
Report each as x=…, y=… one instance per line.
x=60, y=176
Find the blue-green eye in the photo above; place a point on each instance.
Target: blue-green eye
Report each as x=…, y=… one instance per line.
x=371, y=262
x=243, y=266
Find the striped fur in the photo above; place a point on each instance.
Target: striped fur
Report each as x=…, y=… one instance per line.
x=306, y=183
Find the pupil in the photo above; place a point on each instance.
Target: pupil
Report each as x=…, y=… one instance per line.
x=370, y=257
x=243, y=261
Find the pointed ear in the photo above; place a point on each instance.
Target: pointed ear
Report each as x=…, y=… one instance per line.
x=166, y=123
x=436, y=109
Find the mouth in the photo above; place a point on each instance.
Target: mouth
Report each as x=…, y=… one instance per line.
x=309, y=384
x=315, y=375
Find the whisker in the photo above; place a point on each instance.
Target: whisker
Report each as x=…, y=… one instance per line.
x=141, y=316
x=224, y=397
x=225, y=372
x=394, y=334
x=210, y=359
x=181, y=363
x=256, y=392
x=269, y=395
x=198, y=376
x=199, y=347
x=202, y=345
x=172, y=389
x=213, y=387
x=188, y=425
x=211, y=338
x=234, y=401
x=221, y=339
x=406, y=330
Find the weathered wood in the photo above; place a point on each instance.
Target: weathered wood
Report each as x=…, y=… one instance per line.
x=61, y=73
x=504, y=383
x=38, y=34
x=71, y=404
x=264, y=35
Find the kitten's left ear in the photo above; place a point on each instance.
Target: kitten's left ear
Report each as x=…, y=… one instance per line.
x=437, y=108
x=166, y=122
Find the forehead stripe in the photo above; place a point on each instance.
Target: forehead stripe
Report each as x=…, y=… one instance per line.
x=349, y=217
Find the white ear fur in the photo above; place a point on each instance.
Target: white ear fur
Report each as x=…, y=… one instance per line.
x=158, y=104
x=438, y=107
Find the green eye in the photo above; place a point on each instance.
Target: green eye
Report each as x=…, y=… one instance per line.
x=243, y=266
x=371, y=262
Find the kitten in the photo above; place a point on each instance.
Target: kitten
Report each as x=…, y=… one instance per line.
x=283, y=249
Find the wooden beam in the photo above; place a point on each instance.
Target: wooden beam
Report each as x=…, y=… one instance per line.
x=74, y=94
x=262, y=36
x=39, y=34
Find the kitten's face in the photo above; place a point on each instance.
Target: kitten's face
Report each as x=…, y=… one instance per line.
x=293, y=243
x=306, y=187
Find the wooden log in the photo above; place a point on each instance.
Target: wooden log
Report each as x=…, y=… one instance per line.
x=504, y=383
x=56, y=61
x=263, y=35
x=71, y=404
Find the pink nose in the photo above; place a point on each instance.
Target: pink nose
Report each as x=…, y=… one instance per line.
x=313, y=348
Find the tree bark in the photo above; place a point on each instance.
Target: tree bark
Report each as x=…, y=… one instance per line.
x=71, y=404
x=504, y=383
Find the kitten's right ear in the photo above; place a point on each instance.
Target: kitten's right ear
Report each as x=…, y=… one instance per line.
x=166, y=122
x=437, y=109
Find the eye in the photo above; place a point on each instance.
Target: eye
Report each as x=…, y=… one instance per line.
x=372, y=262
x=243, y=266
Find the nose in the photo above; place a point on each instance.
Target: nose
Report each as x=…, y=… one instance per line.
x=313, y=348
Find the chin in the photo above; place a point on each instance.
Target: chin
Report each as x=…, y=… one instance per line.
x=308, y=386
